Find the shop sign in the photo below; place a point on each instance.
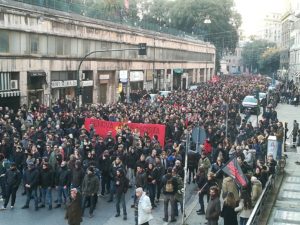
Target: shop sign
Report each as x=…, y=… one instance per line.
x=104, y=77
x=136, y=76
x=123, y=76
x=62, y=84
x=87, y=83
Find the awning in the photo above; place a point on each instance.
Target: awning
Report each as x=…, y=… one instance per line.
x=37, y=73
x=6, y=94
x=178, y=71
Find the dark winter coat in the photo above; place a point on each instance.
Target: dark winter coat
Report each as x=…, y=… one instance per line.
x=31, y=177
x=63, y=177
x=46, y=178
x=229, y=215
x=122, y=184
x=77, y=175
x=90, y=185
x=74, y=212
x=13, y=178
x=174, y=182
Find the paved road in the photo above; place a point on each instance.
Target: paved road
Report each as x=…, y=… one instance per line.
x=104, y=214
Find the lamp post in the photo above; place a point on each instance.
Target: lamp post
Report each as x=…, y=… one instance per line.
x=142, y=48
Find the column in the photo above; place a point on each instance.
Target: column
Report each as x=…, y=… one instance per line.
x=23, y=88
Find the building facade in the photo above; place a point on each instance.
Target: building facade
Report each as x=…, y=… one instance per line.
x=41, y=49
x=271, y=29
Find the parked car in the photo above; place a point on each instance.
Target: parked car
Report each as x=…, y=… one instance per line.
x=262, y=95
x=250, y=103
x=193, y=87
x=164, y=93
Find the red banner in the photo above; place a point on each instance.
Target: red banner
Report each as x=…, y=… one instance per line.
x=102, y=127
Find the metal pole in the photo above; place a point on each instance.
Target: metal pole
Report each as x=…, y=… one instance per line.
x=81, y=61
x=185, y=175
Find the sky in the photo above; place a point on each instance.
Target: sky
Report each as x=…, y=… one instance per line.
x=254, y=11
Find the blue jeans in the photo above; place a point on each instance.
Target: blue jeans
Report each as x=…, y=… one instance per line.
x=121, y=199
x=243, y=221
x=47, y=195
x=112, y=189
x=61, y=191
x=152, y=190
x=279, y=150
x=32, y=192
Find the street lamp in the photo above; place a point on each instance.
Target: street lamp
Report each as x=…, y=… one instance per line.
x=142, y=50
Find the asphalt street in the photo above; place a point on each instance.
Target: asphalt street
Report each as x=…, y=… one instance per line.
x=105, y=212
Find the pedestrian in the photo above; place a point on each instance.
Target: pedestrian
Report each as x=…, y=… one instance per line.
x=12, y=180
x=201, y=181
x=143, y=207
x=121, y=184
x=244, y=208
x=90, y=187
x=179, y=193
x=31, y=179
x=228, y=211
x=47, y=181
x=73, y=210
x=170, y=188
x=256, y=190
x=62, y=183
x=213, y=209
x=152, y=176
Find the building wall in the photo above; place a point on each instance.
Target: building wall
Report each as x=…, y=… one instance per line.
x=34, y=43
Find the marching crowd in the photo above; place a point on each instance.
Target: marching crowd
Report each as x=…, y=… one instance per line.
x=48, y=150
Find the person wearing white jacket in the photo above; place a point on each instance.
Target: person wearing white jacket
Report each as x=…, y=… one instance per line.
x=244, y=208
x=143, y=207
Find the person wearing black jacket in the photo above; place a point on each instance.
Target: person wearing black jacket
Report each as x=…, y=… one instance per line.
x=121, y=183
x=152, y=176
x=13, y=180
x=62, y=183
x=31, y=180
x=201, y=182
x=77, y=175
x=46, y=183
x=104, y=166
x=90, y=187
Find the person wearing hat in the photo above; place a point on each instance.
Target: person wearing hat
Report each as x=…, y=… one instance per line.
x=73, y=210
x=90, y=187
x=31, y=178
x=12, y=179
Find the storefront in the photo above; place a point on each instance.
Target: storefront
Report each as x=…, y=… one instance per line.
x=36, y=80
x=107, y=88
x=87, y=84
x=63, y=85
x=177, y=74
x=136, y=80
x=9, y=90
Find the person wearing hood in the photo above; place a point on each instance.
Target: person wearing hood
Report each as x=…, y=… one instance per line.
x=62, y=183
x=121, y=184
x=90, y=187
x=73, y=210
x=142, y=207
x=31, y=178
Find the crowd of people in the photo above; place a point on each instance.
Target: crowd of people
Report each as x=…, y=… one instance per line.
x=48, y=150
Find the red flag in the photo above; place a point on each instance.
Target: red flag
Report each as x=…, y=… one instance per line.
x=215, y=79
x=234, y=170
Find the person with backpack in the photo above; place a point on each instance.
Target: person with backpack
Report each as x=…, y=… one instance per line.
x=170, y=187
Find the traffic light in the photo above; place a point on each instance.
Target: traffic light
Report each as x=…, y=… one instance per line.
x=142, y=49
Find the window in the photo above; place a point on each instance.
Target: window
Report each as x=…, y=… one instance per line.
x=34, y=44
x=4, y=41
x=59, y=47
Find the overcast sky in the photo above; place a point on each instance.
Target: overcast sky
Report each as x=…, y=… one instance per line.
x=253, y=12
